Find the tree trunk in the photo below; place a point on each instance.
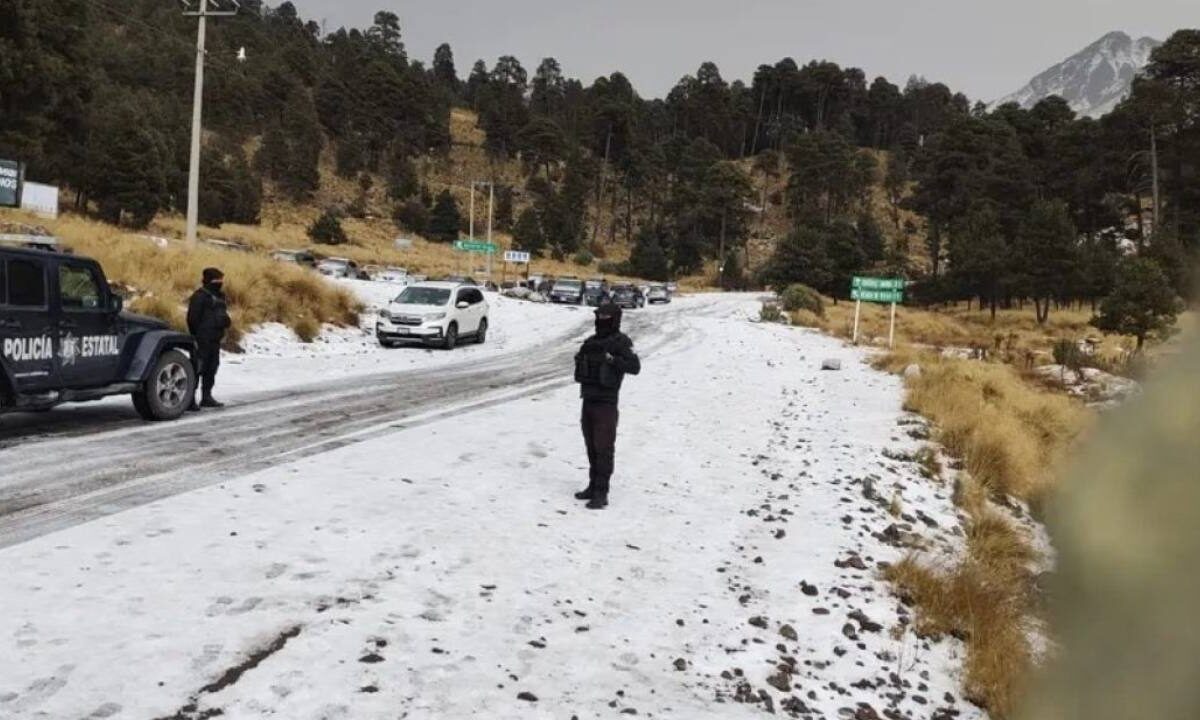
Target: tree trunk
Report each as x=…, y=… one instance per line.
x=600, y=185
x=762, y=98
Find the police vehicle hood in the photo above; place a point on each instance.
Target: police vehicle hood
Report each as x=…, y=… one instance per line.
x=144, y=322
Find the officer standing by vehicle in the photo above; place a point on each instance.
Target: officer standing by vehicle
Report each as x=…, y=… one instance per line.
x=600, y=367
x=208, y=320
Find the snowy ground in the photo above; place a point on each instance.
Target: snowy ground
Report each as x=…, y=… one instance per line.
x=444, y=571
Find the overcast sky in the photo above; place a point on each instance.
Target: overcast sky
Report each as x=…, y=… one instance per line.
x=984, y=48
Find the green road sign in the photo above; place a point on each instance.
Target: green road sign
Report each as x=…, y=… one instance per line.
x=471, y=246
x=870, y=283
x=877, y=296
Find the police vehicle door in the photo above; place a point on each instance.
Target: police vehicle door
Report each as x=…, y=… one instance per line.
x=26, y=327
x=89, y=339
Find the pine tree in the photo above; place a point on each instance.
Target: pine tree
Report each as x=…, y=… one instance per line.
x=327, y=229
x=446, y=220
x=443, y=69
x=412, y=215
x=1142, y=303
x=648, y=259
x=527, y=235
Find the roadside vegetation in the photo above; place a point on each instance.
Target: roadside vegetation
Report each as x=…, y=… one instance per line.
x=1010, y=438
x=159, y=278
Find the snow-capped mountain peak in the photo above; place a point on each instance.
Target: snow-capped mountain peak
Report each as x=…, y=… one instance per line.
x=1095, y=80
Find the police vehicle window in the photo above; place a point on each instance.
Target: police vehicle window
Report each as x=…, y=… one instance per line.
x=78, y=288
x=26, y=283
x=474, y=297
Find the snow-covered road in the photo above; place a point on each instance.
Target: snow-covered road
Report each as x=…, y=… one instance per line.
x=437, y=567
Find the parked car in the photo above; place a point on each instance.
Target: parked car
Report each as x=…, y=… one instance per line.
x=628, y=296
x=461, y=280
x=595, y=291
x=672, y=288
x=339, y=267
x=65, y=337
x=394, y=275
x=658, y=294
x=438, y=313
x=302, y=258
x=567, y=291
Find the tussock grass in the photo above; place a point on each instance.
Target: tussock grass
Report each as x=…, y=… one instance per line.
x=985, y=601
x=160, y=279
x=1011, y=435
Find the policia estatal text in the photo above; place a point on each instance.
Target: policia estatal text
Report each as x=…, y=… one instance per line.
x=600, y=367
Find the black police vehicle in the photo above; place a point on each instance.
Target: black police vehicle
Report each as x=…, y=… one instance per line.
x=64, y=337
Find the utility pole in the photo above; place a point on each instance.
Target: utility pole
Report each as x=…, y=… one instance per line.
x=491, y=205
x=202, y=14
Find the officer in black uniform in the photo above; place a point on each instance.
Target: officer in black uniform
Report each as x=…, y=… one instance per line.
x=208, y=320
x=600, y=367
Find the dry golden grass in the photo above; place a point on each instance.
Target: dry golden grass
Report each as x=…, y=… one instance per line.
x=1013, y=334
x=1010, y=433
x=162, y=278
x=1012, y=436
x=986, y=601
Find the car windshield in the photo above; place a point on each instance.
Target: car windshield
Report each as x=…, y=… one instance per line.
x=423, y=296
x=595, y=284
x=568, y=284
x=333, y=263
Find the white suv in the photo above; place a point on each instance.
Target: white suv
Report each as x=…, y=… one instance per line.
x=435, y=313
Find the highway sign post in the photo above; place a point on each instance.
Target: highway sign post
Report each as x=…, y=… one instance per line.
x=877, y=290
x=515, y=257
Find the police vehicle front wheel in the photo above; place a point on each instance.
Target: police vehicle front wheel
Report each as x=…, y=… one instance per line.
x=169, y=390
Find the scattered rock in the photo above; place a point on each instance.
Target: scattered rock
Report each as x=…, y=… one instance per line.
x=758, y=621
x=912, y=372
x=789, y=632
x=853, y=561
x=807, y=589
x=831, y=364
x=781, y=681
x=680, y=664
x=527, y=697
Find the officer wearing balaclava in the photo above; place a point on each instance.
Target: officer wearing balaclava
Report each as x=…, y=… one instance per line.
x=600, y=367
x=208, y=321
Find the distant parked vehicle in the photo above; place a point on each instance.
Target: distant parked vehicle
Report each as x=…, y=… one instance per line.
x=438, y=313
x=460, y=280
x=302, y=258
x=628, y=296
x=339, y=268
x=567, y=291
x=595, y=291
x=658, y=294
x=672, y=287
x=394, y=275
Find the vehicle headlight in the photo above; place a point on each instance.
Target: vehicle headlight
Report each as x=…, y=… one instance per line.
x=436, y=316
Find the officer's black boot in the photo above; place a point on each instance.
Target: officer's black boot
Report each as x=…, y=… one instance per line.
x=597, y=503
x=584, y=494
